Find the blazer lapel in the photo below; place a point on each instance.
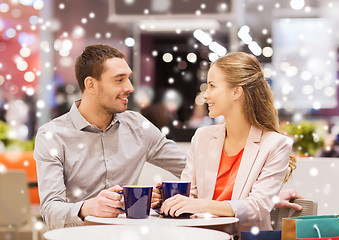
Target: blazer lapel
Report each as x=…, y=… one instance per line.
x=248, y=159
x=215, y=147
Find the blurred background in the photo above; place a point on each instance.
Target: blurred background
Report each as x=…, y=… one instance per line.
x=169, y=44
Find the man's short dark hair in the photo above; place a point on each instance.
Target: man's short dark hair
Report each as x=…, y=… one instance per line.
x=91, y=62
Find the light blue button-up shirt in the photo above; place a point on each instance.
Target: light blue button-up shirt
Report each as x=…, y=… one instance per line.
x=76, y=160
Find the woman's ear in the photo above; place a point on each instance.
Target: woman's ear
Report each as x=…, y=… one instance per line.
x=238, y=92
x=89, y=83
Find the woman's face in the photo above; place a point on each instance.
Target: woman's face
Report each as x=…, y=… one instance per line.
x=219, y=95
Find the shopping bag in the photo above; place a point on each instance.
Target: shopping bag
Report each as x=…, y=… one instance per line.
x=316, y=228
x=323, y=226
x=325, y=238
x=262, y=235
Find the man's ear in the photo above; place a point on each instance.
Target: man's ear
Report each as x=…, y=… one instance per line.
x=89, y=83
x=238, y=92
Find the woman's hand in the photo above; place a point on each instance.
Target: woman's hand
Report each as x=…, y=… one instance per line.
x=284, y=199
x=156, y=197
x=179, y=204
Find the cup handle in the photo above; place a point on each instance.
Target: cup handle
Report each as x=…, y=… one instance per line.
x=122, y=210
x=162, y=197
x=160, y=188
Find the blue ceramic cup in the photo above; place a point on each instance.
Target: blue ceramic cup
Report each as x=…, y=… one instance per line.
x=137, y=201
x=171, y=188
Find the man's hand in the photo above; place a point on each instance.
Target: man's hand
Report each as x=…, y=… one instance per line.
x=284, y=199
x=103, y=205
x=156, y=197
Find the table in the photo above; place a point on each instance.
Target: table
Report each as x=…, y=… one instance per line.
x=136, y=232
x=229, y=225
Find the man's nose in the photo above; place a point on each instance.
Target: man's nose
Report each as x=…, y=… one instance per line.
x=129, y=87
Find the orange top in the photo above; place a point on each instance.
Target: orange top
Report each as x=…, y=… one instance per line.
x=228, y=169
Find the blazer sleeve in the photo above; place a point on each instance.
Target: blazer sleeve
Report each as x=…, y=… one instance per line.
x=257, y=199
x=189, y=172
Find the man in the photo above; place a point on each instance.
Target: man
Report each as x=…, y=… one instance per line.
x=84, y=156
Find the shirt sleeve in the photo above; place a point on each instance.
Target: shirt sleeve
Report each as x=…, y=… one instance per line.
x=55, y=209
x=163, y=152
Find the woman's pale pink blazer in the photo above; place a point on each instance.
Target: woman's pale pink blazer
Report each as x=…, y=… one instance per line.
x=260, y=175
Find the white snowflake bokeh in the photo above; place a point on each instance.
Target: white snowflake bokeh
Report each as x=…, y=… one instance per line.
x=64, y=47
x=255, y=230
x=77, y=193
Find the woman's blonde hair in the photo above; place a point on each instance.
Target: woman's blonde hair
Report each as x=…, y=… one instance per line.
x=244, y=70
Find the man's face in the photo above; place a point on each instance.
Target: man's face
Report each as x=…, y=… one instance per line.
x=114, y=86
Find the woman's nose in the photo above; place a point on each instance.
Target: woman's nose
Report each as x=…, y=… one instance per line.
x=205, y=95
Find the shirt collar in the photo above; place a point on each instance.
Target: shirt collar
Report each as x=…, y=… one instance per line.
x=81, y=123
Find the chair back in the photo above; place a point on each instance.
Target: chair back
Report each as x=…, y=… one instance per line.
x=309, y=208
x=316, y=178
x=14, y=198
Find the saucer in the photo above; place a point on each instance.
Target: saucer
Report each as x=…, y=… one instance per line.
x=183, y=215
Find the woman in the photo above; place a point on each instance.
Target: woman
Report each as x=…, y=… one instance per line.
x=236, y=168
